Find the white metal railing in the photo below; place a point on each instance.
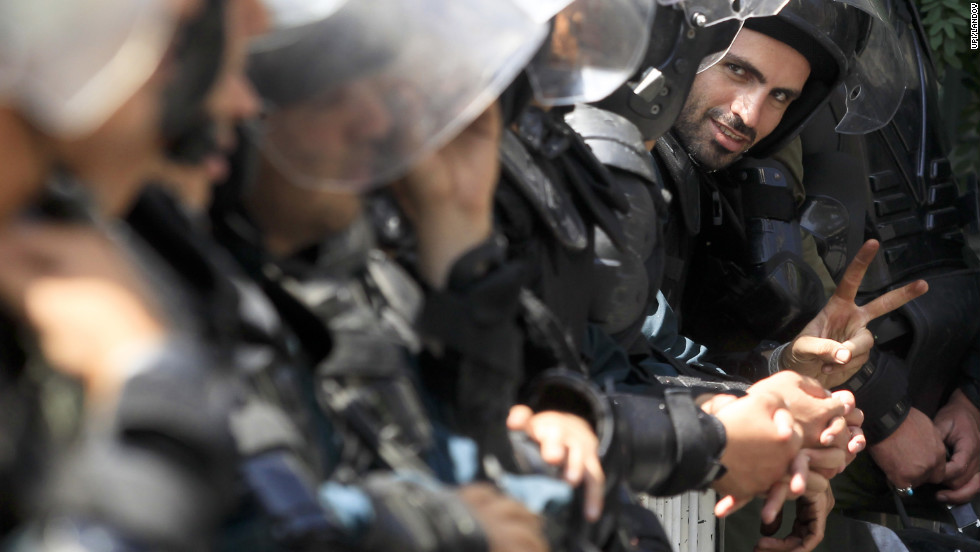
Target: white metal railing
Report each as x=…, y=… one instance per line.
x=688, y=519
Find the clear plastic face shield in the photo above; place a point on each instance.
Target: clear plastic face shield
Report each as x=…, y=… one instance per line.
x=594, y=47
x=357, y=91
x=878, y=77
x=705, y=13
x=543, y=10
x=68, y=65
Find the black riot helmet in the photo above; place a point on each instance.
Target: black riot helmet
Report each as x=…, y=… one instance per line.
x=846, y=42
x=653, y=98
x=686, y=37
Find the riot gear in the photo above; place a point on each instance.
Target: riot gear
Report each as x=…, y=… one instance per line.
x=749, y=275
x=686, y=38
x=653, y=97
x=321, y=77
x=637, y=269
x=846, y=42
x=910, y=202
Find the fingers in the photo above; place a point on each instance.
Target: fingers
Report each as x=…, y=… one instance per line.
x=566, y=440
x=810, y=386
x=518, y=417
x=848, y=287
x=859, y=346
x=770, y=529
x=937, y=474
x=963, y=494
x=857, y=443
x=836, y=433
x=728, y=505
x=828, y=351
x=595, y=484
x=553, y=449
x=847, y=399
x=958, y=469
x=817, y=484
x=574, y=465
x=717, y=402
x=798, y=474
x=895, y=299
x=853, y=414
x=828, y=462
x=817, y=524
x=774, y=502
x=583, y=467
x=785, y=424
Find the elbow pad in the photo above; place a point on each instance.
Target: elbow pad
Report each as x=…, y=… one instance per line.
x=670, y=444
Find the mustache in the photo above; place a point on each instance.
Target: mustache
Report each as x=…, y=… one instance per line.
x=732, y=121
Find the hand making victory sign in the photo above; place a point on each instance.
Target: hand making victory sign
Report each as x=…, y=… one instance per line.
x=836, y=343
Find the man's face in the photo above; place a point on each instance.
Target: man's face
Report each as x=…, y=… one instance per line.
x=335, y=135
x=741, y=99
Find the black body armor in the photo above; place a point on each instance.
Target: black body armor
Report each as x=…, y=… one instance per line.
x=635, y=271
x=748, y=280
x=913, y=205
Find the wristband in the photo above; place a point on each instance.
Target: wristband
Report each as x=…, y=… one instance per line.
x=774, y=358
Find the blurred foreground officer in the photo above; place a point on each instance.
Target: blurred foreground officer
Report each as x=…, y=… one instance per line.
x=354, y=100
x=140, y=461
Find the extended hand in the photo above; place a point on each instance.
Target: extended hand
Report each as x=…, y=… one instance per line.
x=836, y=343
x=914, y=454
x=82, y=296
x=449, y=195
x=820, y=414
x=763, y=440
x=959, y=425
x=566, y=440
x=808, y=529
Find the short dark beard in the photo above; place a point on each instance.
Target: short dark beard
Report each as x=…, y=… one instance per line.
x=706, y=152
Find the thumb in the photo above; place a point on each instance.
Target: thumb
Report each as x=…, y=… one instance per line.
x=827, y=350
x=518, y=417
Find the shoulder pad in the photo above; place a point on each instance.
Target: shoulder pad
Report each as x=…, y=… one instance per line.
x=615, y=140
x=550, y=203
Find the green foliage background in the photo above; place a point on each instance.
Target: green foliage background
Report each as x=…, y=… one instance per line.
x=947, y=25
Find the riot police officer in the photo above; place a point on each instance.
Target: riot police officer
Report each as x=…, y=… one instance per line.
x=88, y=106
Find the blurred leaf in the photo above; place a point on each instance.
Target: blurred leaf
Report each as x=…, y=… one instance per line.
x=931, y=17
